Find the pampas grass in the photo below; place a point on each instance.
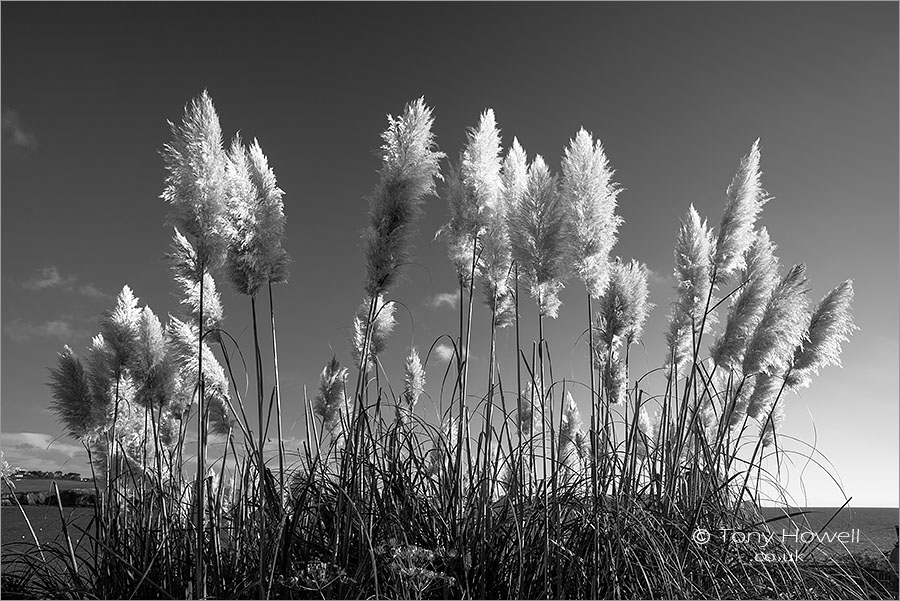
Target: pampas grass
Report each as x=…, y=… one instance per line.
x=745, y=199
x=413, y=386
x=409, y=169
x=379, y=328
x=196, y=183
x=537, y=224
x=402, y=507
x=331, y=402
x=759, y=276
x=589, y=196
x=831, y=325
x=687, y=319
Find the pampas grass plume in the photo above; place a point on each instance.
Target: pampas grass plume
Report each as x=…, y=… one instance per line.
x=330, y=404
x=537, y=226
x=623, y=304
x=413, y=386
x=831, y=325
x=760, y=275
x=72, y=400
x=183, y=338
x=589, y=195
x=256, y=219
x=408, y=173
x=782, y=325
x=381, y=328
x=119, y=327
x=195, y=186
x=692, y=257
x=745, y=199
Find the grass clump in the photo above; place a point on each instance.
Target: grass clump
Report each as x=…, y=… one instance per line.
x=510, y=495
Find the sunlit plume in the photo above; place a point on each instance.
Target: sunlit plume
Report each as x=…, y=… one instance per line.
x=759, y=276
x=196, y=184
x=830, y=326
x=185, y=267
x=331, y=402
x=782, y=325
x=380, y=330
x=537, y=226
x=692, y=257
x=256, y=221
x=589, y=196
x=745, y=199
x=408, y=173
x=184, y=339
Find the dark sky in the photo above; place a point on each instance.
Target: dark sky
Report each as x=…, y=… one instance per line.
x=676, y=92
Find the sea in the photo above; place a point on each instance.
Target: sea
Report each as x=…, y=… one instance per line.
x=835, y=530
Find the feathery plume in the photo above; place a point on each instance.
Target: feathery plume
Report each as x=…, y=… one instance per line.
x=514, y=174
x=528, y=399
x=760, y=275
x=119, y=327
x=770, y=427
x=458, y=232
x=409, y=169
x=256, y=219
x=186, y=270
x=589, y=196
x=764, y=392
x=151, y=366
x=623, y=304
x=615, y=377
x=645, y=433
x=73, y=401
x=331, y=403
x=101, y=375
x=481, y=163
x=381, y=329
x=537, y=227
x=496, y=251
x=484, y=179
x=692, y=256
x=572, y=439
x=196, y=183
x=781, y=327
x=745, y=199
x=831, y=325
x=473, y=192
x=183, y=338
x=413, y=386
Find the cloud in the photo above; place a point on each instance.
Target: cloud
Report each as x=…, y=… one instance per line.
x=49, y=278
x=443, y=353
x=14, y=134
x=93, y=292
x=23, y=331
x=450, y=299
x=37, y=451
x=655, y=278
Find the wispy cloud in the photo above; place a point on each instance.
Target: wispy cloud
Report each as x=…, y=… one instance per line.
x=23, y=331
x=93, y=292
x=449, y=299
x=657, y=278
x=37, y=451
x=50, y=278
x=443, y=353
x=14, y=133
